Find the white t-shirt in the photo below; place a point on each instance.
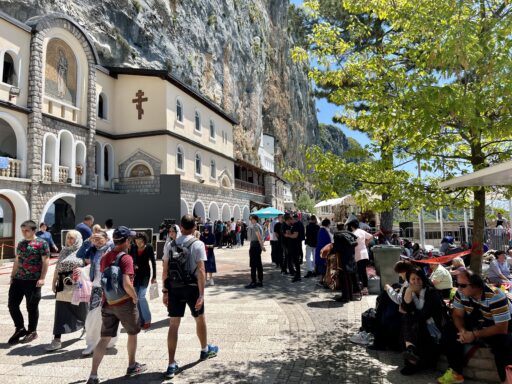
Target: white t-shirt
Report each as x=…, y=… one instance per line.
x=197, y=250
x=361, y=252
x=110, y=234
x=233, y=226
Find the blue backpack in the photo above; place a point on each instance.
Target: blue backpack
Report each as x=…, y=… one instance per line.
x=112, y=281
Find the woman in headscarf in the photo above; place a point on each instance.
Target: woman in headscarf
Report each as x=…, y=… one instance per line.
x=100, y=244
x=324, y=238
x=69, y=318
x=208, y=238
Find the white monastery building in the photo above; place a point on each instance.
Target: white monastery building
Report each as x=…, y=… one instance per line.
x=70, y=126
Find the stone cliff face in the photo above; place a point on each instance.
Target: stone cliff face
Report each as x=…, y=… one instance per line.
x=236, y=52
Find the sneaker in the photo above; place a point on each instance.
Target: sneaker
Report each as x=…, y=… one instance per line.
x=88, y=351
x=364, y=291
x=31, y=336
x=361, y=338
x=212, y=352
x=250, y=286
x=171, y=371
x=137, y=369
x=54, y=345
x=93, y=380
x=18, y=334
x=212, y=282
x=146, y=326
x=259, y=285
x=450, y=377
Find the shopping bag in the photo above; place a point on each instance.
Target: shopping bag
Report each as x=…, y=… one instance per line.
x=82, y=291
x=153, y=291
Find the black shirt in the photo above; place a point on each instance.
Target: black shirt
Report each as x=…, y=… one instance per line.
x=141, y=264
x=312, y=234
x=294, y=228
x=278, y=231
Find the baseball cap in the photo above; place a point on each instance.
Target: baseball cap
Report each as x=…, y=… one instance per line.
x=122, y=232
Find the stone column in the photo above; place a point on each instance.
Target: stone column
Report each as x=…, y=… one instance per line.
x=35, y=120
x=91, y=124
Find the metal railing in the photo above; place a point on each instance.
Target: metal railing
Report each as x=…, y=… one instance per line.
x=13, y=169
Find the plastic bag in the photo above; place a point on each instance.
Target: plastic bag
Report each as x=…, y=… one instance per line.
x=153, y=291
x=82, y=291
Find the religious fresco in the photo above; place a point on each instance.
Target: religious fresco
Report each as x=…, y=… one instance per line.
x=140, y=170
x=61, y=72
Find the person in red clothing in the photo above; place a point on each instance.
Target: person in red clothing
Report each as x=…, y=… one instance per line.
x=123, y=309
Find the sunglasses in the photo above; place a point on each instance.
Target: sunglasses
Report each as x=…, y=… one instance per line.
x=463, y=285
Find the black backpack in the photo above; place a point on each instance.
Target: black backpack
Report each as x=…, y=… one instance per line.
x=179, y=274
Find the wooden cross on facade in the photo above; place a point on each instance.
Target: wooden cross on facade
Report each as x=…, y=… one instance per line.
x=139, y=100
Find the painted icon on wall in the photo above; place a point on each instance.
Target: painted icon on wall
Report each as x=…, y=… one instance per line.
x=61, y=72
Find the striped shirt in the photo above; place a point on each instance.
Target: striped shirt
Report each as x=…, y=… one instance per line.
x=494, y=306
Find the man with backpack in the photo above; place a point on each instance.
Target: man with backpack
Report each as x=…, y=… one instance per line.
x=184, y=279
x=119, y=303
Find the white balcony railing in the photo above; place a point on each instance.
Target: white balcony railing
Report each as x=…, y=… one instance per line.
x=13, y=169
x=47, y=174
x=63, y=174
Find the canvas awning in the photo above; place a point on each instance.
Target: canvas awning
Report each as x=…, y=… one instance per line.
x=500, y=174
x=345, y=200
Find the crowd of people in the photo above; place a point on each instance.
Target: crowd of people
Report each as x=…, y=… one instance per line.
x=434, y=308
x=119, y=267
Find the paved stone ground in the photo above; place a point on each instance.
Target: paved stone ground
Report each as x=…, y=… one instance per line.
x=282, y=333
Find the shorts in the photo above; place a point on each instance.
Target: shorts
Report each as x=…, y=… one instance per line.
x=179, y=298
x=126, y=313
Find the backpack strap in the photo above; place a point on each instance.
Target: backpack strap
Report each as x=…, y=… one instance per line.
x=189, y=243
x=118, y=258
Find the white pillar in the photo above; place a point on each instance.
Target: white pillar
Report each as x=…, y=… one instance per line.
x=466, y=224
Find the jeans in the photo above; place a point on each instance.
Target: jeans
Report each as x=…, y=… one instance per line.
x=238, y=239
x=310, y=258
x=255, y=261
x=142, y=304
x=27, y=289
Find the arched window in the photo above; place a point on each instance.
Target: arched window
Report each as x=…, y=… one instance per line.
x=198, y=164
x=212, y=129
x=105, y=163
x=213, y=169
x=179, y=110
x=180, y=154
x=198, y=121
x=102, y=106
x=9, y=73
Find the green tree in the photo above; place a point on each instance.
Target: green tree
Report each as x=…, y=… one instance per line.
x=305, y=203
x=426, y=80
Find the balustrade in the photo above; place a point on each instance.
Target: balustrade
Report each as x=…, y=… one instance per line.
x=13, y=169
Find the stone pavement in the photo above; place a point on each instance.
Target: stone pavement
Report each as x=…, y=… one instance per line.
x=282, y=333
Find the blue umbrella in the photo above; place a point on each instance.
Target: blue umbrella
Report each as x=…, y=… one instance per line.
x=268, y=213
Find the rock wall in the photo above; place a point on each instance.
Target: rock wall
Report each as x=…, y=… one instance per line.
x=235, y=52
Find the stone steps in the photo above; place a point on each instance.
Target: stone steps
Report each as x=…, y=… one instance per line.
x=480, y=367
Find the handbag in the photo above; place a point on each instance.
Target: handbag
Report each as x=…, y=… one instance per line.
x=153, y=291
x=66, y=294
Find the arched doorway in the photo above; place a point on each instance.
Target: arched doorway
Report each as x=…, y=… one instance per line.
x=7, y=226
x=59, y=214
x=226, y=212
x=236, y=212
x=213, y=211
x=15, y=211
x=183, y=209
x=13, y=144
x=245, y=213
x=199, y=211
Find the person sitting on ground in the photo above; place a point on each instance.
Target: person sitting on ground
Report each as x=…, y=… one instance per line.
x=441, y=279
x=68, y=318
x=422, y=321
x=417, y=253
x=499, y=271
x=387, y=315
x=457, y=266
x=480, y=313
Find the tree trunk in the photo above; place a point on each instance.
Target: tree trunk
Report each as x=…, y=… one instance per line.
x=386, y=222
x=478, y=229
